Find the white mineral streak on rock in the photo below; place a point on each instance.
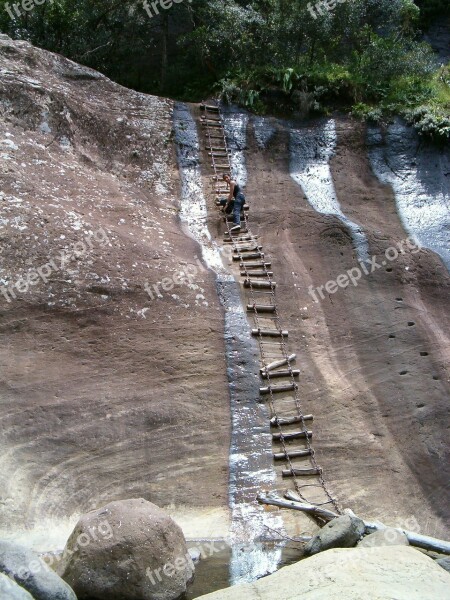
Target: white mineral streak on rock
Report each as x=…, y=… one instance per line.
x=193, y=204
x=419, y=177
x=236, y=132
x=264, y=131
x=311, y=150
x=251, y=465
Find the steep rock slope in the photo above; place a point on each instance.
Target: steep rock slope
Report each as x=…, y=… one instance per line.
x=106, y=391
x=374, y=357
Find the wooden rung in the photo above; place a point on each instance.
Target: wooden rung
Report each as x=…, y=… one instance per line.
x=280, y=421
x=211, y=118
x=293, y=454
x=257, y=273
x=256, y=265
x=217, y=149
x=248, y=248
x=204, y=106
x=270, y=333
x=242, y=238
x=286, y=373
x=297, y=435
x=245, y=208
x=262, y=285
x=250, y=256
x=228, y=239
x=251, y=248
x=261, y=308
x=218, y=154
x=213, y=125
x=222, y=166
x=216, y=137
x=300, y=472
x=278, y=389
x=279, y=363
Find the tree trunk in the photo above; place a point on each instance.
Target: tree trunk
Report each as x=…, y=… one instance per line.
x=164, y=50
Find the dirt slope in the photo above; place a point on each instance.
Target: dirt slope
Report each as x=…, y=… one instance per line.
x=103, y=390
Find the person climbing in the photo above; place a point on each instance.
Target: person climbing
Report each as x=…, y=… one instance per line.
x=234, y=203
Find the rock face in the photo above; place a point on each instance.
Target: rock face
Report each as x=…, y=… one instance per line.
x=89, y=180
x=9, y=590
x=343, y=532
x=444, y=563
x=30, y=572
x=387, y=537
x=354, y=574
x=127, y=550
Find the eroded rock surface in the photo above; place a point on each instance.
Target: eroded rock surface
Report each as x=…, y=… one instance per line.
x=104, y=387
x=354, y=574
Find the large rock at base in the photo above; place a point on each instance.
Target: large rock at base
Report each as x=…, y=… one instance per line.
x=385, y=537
x=32, y=573
x=9, y=590
x=444, y=563
x=342, y=532
x=129, y=549
x=398, y=572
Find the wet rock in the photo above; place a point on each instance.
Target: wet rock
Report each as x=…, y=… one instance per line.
x=195, y=555
x=387, y=537
x=9, y=590
x=371, y=573
x=32, y=573
x=129, y=549
x=444, y=563
x=342, y=532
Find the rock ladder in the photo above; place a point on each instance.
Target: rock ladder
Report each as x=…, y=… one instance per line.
x=291, y=428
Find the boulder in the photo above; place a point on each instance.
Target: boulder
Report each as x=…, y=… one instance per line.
x=32, y=573
x=398, y=572
x=342, y=532
x=9, y=590
x=444, y=563
x=129, y=549
x=385, y=537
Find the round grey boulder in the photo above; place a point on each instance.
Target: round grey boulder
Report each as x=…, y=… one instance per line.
x=384, y=537
x=444, y=563
x=343, y=532
x=31, y=573
x=9, y=590
x=128, y=550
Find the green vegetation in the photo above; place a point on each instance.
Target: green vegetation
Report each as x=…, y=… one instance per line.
x=363, y=56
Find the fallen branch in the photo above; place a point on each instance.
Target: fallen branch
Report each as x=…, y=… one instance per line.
x=315, y=511
x=425, y=542
x=415, y=539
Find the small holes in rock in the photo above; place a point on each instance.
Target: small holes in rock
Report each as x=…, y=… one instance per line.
x=411, y=323
x=436, y=377
x=424, y=354
x=420, y=405
x=391, y=336
x=403, y=372
x=389, y=270
x=399, y=299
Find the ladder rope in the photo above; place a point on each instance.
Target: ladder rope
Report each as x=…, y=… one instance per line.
x=240, y=245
